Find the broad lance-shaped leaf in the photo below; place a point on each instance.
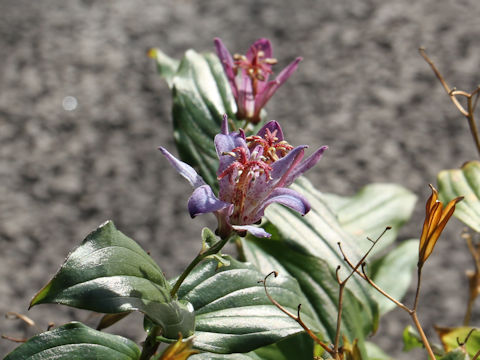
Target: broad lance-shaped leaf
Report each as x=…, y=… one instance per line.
x=166, y=66
x=233, y=313
x=306, y=248
x=393, y=273
x=110, y=273
x=75, y=341
x=375, y=353
x=317, y=281
x=368, y=213
x=371, y=210
x=298, y=347
x=201, y=95
x=463, y=182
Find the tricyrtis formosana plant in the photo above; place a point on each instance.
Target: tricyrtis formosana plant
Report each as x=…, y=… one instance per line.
x=324, y=300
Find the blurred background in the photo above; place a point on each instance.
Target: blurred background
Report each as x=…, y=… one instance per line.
x=82, y=112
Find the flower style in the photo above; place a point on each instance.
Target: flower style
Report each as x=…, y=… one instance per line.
x=248, y=77
x=253, y=173
x=436, y=217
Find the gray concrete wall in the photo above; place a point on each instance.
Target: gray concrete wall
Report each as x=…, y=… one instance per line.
x=362, y=89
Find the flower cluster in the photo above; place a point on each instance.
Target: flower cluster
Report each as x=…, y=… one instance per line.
x=253, y=173
x=248, y=77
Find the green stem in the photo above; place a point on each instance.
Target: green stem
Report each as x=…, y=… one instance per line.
x=339, y=319
x=417, y=292
x=413, y=315
x=202, y=255
x=151, y=344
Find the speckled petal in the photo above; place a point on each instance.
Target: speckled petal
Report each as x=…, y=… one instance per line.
x=261, y=188
x=287, y=197
x=225, y=143
x=203, y=201
x=304, y=166
x=282, y=168
x=184, y=169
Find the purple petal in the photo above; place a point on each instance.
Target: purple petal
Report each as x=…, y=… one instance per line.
x=288, y=71
x=227, y=62
x=255, y=231
x=245, y=100
x=272, y=126
x=305, y=166
x=287, y=197
x=260, y=45
x=261, y=188
x=282, y=168
x=225, y=144
x=203, y=201
x=224, y=128
x=267, y=91
x=183, y=169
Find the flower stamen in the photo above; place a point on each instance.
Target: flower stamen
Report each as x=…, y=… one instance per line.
x=252, y=165
x=272, y=148
x=257, y=68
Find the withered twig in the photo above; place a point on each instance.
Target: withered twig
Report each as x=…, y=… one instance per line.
x=411, y=312
x=453, y=93
x=343, y=283
x=297, y=317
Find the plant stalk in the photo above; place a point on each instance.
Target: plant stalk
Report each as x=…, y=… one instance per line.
x=151, y=344
x=339, y=320
x=202, y=255
x=413, y=315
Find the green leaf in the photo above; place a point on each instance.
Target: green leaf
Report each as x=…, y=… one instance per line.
x=317, y=281
x=306, y=248
x=463, y=182
x=451, y=337
x=375, y=353
x=455, y=355
x=76, y=341
x=298, y=347
x=233, y=314
x=212, y=356
x=166, y=66
x=393, y=273
x=201, y=95
x=110, y=273
x=371, y=210
x=110, y=319
x=411, y=339
x=208, y=239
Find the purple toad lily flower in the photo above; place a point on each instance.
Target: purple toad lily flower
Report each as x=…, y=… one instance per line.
x=253, y=173
x=248, y=77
